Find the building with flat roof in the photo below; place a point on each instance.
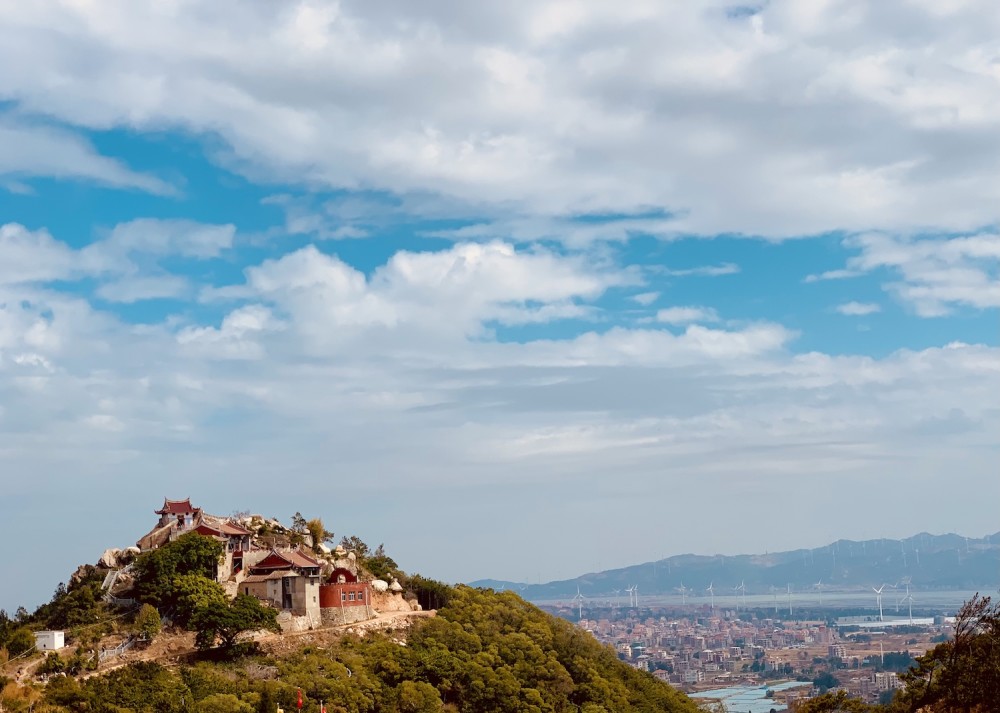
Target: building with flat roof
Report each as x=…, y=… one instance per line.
x=50, y=640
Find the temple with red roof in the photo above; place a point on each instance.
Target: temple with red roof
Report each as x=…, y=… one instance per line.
x=286, y=579
x=180, y=511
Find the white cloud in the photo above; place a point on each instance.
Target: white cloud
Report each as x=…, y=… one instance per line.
x=449, y=294
x=833, y=275
x=684, y=315
x=527, y=122
x=858, y=309
x=396, y=379
x=727, y=268
x=235, y=337
x=28, y=256
x=171, y=237
x=934, y=275
x=150, y=287
x=766, y=124
x=125, y=261
x=645, y=298
x=30, y=151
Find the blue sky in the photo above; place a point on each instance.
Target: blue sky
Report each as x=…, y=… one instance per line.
x=521, y=290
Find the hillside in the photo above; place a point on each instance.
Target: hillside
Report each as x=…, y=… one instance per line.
x=931, y=561
x=483, y=651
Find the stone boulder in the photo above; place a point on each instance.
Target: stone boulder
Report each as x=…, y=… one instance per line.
x=109, y=559
x=380, y=586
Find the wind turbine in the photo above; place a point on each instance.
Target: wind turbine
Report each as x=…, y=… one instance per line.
x=895, y=586
x=819, y=588
x=741, y=587
x=631, y=593
x=683, y=592
x=774, y=592
x=579, y=600
x=908, y=598
x=789, y=600
x=635, y=590
x=711, y=592
x=878, y=598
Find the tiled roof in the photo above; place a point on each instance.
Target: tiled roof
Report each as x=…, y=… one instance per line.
x=223, y=527
x=176, y=507
x=231, y=528
x=301, y=559
x=287, y=558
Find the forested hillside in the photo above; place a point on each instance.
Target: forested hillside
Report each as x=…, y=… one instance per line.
x=483, y=652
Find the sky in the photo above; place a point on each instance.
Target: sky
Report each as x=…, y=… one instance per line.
x=520, y=289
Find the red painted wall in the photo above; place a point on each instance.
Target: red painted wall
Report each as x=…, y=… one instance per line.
x=330, y=595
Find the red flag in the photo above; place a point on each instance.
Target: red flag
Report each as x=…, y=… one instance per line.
x=322, y=707
x=299, y=690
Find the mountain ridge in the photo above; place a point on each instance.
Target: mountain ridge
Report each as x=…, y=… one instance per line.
x=947, y=561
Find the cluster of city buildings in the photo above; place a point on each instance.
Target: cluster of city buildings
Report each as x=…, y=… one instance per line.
x=721, y=649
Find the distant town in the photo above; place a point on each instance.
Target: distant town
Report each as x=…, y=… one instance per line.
x=757, y=659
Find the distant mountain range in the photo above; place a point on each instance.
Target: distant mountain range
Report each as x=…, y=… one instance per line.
x=931, y=561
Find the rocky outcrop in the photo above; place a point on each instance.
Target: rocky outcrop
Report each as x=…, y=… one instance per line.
x=385, y=602
x=81, y=573
x=109, y=560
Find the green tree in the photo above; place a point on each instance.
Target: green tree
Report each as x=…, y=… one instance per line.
x=825, y=681
x=147, y=622
x=418, y=697
x=381, y=565
x=964, y=673
x=20, y=641
x=223, y=703
x=138, y=688
x=192, y=592
x=156, y=571
x=225, y=621
x=838, y=702
x=355, y=544
x=53, y=663
x=430, y=593
x=318, y=533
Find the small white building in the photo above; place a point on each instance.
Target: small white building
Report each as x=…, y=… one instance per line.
x=50, y=640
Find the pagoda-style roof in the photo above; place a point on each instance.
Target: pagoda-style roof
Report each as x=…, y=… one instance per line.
x=292, y=559
x=176, y=507
x=223, y=528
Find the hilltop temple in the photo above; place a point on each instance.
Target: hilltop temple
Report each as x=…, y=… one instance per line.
x=309, y=588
